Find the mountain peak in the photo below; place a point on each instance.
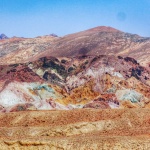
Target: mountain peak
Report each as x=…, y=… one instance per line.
x=3, y=36
x=104, y=29
x=53, y=34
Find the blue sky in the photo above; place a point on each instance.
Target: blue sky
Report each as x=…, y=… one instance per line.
x=31, y=18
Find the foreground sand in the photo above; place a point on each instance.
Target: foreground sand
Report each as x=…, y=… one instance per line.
x=84, y=129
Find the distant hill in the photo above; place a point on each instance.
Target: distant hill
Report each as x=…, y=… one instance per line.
x=3, y=36
x=96, y=41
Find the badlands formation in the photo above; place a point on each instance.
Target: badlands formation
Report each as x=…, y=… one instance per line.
x=87, y=90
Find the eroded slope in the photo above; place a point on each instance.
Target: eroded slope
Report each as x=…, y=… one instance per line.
x=81, y=82
x=76, y=129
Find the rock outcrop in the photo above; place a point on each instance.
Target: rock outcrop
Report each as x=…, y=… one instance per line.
x=81, y=82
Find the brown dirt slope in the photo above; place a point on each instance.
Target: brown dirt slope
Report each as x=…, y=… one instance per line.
x=85, y=129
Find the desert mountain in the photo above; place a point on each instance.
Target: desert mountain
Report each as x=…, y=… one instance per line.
x=75, y=77
x=104, y=41
x=97, y=41
x=89, y=69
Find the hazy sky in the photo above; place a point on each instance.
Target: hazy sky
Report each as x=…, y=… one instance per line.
x=30, y=18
